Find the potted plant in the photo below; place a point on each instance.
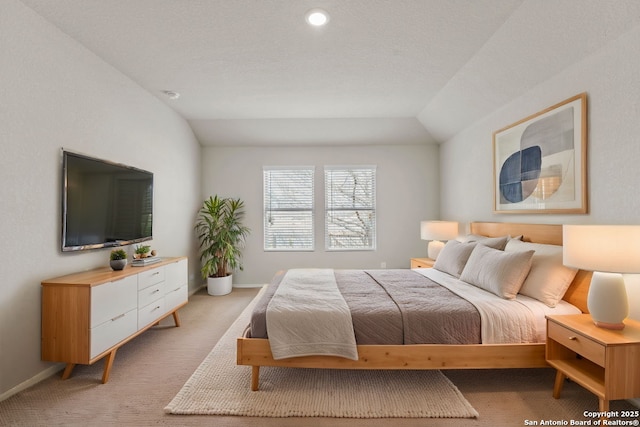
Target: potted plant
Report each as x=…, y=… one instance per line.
x=142, y=251
x=118, y=259
x=222, y=237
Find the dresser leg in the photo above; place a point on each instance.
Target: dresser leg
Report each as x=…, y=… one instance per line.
x=67, y=370
x=557, y=387
x=176, y=318
x=108, y=363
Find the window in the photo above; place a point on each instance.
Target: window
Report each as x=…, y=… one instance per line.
x=288, y=208
x=350, y=202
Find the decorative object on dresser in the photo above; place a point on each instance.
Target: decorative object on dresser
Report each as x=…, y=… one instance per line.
x=145, y=261
x=222, y=238
x=89, y=315
x=141, y=251
x=118, y=259
x=608, y=251
x=605, y=362
x=436, y=232
x=540, y=162
x=144, y=256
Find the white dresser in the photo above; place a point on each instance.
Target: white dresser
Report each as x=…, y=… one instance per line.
x=87, y=316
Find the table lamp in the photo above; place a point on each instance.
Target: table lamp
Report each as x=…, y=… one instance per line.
x=608, y=251
x=436, y=232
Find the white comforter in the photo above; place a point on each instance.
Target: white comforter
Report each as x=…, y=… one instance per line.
x=308, y=316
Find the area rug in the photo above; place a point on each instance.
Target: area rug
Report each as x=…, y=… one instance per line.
x=220, y=387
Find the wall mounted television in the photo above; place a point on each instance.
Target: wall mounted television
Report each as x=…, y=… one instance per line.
x=104, y=204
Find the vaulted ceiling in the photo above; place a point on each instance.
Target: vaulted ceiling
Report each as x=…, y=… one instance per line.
x=253, y=72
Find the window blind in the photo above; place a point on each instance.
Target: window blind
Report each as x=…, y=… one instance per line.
x=350, y=202
x=288, y=208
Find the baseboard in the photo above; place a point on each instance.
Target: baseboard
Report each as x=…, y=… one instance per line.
x=197, y=289
x=248, y=286
x=32, y=381
x=239, y=286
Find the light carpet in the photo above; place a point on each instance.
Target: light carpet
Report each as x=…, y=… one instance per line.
x=220, y=387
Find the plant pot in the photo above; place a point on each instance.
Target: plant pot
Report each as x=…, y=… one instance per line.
x=118, y=264
x=219, y=285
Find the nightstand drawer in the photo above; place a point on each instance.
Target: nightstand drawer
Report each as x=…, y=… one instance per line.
x=422, y=262
x=576, y=342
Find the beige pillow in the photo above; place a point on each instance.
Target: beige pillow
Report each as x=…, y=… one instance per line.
x=501, y=273
x=453, y=257
x=492, y=242
x=548, y=279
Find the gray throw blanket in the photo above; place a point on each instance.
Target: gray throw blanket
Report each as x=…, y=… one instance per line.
x=307, y=316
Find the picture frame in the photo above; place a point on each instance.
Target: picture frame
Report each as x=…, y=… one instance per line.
x=540, y=162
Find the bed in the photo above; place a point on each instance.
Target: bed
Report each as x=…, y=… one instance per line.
x=256, y=352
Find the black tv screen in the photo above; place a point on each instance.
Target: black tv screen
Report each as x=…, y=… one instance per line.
x=104, y=204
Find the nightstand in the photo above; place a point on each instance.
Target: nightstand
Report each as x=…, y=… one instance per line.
x=605, y=362
x=422, y=262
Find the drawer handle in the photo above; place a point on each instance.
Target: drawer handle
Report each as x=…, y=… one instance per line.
x=157, y=290
x=572, y=338
x=117, y=317
x=156, y=273
x=156, y=308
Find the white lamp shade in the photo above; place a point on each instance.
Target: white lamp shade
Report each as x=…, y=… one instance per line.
x=607, y=248
x=438, y=230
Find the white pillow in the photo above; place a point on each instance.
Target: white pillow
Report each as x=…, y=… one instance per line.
x=501, y=273
x=548, y=279
x=453, y=257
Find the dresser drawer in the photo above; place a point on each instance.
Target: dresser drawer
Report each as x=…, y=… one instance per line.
x=150, y=277
x=151, y=293
x=113, y=299
x=111, y=332
x=177, y=273
x=151, y=313
x=176, y=297
x=582, y=345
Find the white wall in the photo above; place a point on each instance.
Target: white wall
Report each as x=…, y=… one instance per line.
x=54, y=93
x=407, y=192
x=610, y=78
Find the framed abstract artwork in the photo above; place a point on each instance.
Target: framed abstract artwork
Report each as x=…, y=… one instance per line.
x=540, y=162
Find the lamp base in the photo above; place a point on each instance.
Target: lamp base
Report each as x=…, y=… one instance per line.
x=607, y=300
x=613, y=326
x=433, y=248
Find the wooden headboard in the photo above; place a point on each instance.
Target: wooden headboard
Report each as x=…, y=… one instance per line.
x=550, y=234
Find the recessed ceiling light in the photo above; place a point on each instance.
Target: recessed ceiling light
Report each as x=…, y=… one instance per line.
x=317, y=17
x=171, y=94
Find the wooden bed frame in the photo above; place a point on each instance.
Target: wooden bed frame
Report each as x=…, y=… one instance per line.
x=256, y=352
